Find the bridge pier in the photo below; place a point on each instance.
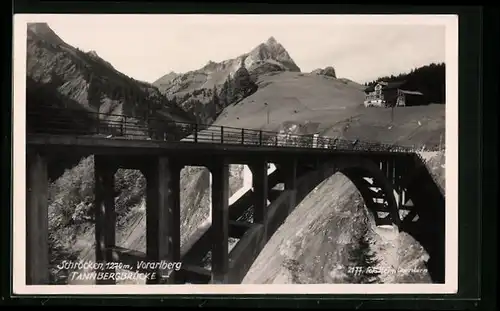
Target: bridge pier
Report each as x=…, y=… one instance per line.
x=290, y=181
x=383, y=167
x=260, y=192
x=105, y=217
x=37, y=223
x=162, y=217
x=390, y=170
x=220, y=222
x=399, y=173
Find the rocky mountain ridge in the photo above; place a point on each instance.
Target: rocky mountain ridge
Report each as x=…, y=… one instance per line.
x=83, y=80
x=327, y=71
x=194, y=91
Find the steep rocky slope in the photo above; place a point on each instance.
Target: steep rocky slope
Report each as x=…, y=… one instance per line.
x=194, y=91
x=166, y=79
x=315, y=244
x=84, y=80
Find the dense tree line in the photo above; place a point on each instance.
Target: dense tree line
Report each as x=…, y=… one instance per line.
x=429, y=79
x=235, y=88
x=213, y=101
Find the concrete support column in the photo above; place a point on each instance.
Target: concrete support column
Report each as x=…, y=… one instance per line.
x=385, y=167
x=401, y=173
x=397, y=187
x=260, y=193
x=260, y=190
x=290, y=177
x=105, y=216
x=37, y=224
x=390, y=171
x=220, y=222
x=391, y=177
x=162, y=217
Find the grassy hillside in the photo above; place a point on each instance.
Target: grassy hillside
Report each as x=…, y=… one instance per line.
x=333, y=107
x=292, y=96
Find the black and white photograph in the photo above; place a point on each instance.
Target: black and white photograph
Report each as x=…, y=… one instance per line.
x=184, y=154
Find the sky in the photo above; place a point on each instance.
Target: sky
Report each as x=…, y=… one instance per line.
x=146, y=47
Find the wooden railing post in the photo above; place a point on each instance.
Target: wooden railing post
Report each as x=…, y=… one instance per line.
x=260, y=138
x=221, y=134
x=242, y=136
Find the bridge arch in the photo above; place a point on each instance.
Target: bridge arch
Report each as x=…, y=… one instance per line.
x=422, y=199
x=358, y=170
x=375, y=188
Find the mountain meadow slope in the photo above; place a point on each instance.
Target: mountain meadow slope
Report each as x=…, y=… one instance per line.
x=261, y=89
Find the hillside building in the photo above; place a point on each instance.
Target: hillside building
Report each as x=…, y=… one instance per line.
x=391, y=94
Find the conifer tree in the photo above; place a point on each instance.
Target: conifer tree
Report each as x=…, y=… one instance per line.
x=362, y=262
x=215, y=105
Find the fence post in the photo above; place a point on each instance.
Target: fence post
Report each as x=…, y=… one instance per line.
x=276, y=140
x=242, y=136
x=260, y=138
x=221, y=134
x=196, y=132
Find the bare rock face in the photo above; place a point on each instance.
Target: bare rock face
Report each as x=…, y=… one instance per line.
x=328, y=71
x=273, y=53
x=166, y=79
x=194, y=91
x=42, y=30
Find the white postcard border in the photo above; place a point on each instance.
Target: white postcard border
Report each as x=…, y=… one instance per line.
x=451, y=267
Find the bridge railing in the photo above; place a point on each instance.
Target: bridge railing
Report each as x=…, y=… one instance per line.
x=65, y=121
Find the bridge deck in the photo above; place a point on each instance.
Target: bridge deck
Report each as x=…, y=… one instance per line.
x=103, y=145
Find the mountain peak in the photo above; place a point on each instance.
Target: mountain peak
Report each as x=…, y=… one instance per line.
x=39, y=27
x=271, y=52
x=271, y=41
x=43, y=31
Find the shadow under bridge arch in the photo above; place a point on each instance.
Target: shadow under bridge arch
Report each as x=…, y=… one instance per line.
x=366, y=175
